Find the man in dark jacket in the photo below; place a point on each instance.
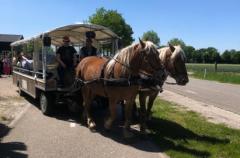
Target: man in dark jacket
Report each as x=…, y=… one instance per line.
x=66, y=57
x=88, y=50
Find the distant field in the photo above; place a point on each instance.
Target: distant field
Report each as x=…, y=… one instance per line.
x=227, y=73
x=210, y=67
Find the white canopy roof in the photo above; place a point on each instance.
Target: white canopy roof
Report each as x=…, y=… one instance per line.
x=76, y=33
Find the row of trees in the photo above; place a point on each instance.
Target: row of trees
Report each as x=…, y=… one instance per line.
x=207, y=55
x=114, y=20
x=203, y=55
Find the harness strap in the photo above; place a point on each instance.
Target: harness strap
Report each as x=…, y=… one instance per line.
x=103, y=68
x=103, y=76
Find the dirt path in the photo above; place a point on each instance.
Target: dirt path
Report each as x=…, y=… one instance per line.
x=10, y=101
x=212, y=113
x=7, y=88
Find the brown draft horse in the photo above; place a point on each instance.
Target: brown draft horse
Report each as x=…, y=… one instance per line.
x=173, y=59
x=132, y=61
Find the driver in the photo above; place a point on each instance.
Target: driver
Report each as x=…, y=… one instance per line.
x=88, y=50
x=66, y=57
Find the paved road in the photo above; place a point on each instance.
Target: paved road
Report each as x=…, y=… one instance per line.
x=225, y=96
x=62, y=136
x=36, y=135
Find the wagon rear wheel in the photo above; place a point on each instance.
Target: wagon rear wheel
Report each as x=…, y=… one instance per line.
x=46, y=103
x=20, y=92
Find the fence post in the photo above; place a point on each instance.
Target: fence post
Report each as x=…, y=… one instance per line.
x=205, y=73
x=215, y=68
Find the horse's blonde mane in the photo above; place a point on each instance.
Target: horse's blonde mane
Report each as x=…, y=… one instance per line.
x=122, y=56
x=125, y=55
x=178, y=51
x=150, y=46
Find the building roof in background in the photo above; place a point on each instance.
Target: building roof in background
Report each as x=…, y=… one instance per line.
x=10, y=37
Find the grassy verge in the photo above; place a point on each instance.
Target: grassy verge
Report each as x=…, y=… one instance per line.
x=225, y=77
x=226, y=73
x=185, y=134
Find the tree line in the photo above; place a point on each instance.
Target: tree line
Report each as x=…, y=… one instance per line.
x=207, y=55
x=115, y=21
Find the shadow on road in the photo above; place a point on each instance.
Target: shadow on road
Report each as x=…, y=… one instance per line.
x=166, y=132
x=10, y=149
x=62, y=113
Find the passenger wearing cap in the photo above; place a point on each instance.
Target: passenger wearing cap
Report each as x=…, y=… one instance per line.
x=88, y=50
x=66, y=57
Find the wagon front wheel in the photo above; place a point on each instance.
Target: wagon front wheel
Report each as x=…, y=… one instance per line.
x=46, y=103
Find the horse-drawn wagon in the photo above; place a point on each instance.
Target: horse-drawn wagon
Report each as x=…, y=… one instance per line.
x=38, y=77
x=117, y=78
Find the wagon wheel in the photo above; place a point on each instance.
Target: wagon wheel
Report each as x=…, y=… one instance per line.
x=46, y=103
x=20, y=92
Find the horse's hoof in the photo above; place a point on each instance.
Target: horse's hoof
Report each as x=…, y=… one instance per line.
x=93, y=130
x=92, y=126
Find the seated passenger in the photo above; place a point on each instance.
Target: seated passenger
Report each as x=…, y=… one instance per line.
x=24, y=62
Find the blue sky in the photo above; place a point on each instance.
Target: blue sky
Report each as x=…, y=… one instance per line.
x=200, y=23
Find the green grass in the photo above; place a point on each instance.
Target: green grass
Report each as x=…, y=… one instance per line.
x=225, y=77
x=226, y=73
x=210, y=67
x=185, y=134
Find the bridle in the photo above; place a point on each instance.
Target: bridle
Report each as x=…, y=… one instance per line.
x=140, y=72
x=169, y=64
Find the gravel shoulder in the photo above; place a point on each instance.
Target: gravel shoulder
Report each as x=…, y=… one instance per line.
x=210, y=112
x=11, y=104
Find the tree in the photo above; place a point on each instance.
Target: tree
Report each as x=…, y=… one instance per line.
x=176, y=41
x=199, y=58
x=113, y=20
x=236, y=57
x=226, y=56
x=151, y=36
x=205, y=56
x=212, y=54
x=190, y=53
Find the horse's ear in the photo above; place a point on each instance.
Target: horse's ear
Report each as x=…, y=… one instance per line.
x=171, y=47
x=142, y=43
x=136, y=46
